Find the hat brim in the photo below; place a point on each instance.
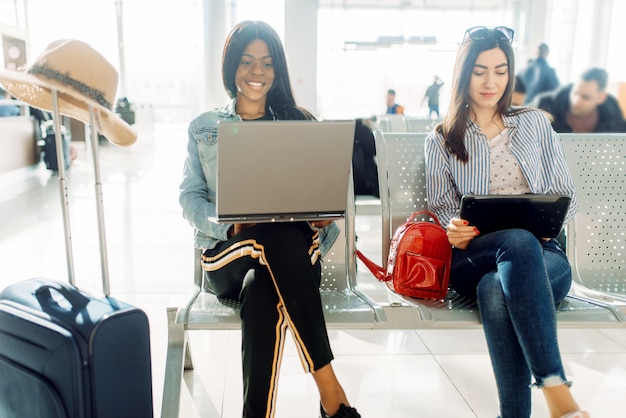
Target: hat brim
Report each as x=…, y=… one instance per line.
x=38, y=93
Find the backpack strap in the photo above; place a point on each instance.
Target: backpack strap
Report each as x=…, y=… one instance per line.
x=411, y=218
x=377, y=271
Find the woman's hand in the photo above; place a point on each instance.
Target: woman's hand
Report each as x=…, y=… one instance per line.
x=320, y=224
x=460, y=233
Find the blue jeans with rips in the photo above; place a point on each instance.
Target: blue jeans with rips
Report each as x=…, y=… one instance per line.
x=517, y=280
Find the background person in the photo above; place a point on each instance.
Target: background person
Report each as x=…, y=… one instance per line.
x=584, y=106
x=539, y=76
x=273, y=269
x=392, y=107
x=432, y=95
x=484, y=146
x=364, y=167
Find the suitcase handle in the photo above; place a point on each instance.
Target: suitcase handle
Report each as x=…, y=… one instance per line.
x=64, y=195
x=45, y=294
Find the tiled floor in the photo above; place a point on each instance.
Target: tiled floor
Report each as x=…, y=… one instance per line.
x=392, y=374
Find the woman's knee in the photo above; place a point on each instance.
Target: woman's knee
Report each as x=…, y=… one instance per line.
x=262, y=295
x=490, y=295
x=521, y=240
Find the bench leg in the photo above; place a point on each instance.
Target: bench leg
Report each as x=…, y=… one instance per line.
x=188, y=358
x=178, y=357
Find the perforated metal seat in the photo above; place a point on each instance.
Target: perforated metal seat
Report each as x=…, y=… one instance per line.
x=421, y=125
x=401, y=168
x=595, y=247
x=597, y=237
x=393, y=123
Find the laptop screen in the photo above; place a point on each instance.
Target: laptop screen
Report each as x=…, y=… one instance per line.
x=283, y=170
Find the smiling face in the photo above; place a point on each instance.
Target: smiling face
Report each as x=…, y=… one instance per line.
x=255, y=73
x=489, y=80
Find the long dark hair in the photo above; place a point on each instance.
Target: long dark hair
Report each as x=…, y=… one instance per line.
x=455, y=122
x=280, y=97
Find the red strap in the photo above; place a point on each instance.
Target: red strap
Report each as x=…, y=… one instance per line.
x=378, y=271
x=411, y=218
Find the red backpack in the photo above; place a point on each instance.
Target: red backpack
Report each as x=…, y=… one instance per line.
x=419, y=259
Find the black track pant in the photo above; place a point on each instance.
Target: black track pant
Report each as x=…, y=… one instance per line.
x=274, y=270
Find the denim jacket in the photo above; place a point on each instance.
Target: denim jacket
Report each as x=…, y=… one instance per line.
x=197, y=190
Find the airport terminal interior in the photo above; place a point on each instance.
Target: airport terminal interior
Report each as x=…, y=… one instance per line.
x=401, y=373
x=435, y=373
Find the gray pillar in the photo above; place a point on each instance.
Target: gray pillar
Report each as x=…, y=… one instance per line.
x=301, y=49
x=215, y=31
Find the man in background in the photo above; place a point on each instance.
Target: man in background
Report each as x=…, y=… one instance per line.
x=538, y=76
x=432, y=94
x=392, y=107
x=584, y=106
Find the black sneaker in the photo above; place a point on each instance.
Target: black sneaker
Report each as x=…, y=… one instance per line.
x=343, y=412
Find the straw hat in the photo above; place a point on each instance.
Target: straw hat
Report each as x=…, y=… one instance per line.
x=81, y=77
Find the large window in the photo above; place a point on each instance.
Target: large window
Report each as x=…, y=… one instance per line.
x=159, y=44
x=361, y=52
x=164, y=57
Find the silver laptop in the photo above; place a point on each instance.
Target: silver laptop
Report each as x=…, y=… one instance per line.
x=280, y=171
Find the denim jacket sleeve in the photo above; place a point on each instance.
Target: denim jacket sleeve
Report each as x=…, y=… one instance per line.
x=197, y=189
x=328, y=236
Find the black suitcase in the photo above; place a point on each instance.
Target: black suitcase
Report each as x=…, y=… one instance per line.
x=66, y=353
x=50, y=147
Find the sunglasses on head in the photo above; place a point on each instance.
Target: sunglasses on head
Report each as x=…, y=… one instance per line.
x=478, y=33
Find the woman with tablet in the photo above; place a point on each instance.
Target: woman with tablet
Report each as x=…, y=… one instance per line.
x=483, y=146
x=272, y=269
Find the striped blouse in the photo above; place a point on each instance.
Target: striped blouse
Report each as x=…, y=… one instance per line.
x=533, y=142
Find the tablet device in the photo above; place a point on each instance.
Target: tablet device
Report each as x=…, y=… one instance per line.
x=541, y=214
x=283, y=171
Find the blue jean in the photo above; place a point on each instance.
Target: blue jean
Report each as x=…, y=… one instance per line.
x=517, y=280
x=433, y=108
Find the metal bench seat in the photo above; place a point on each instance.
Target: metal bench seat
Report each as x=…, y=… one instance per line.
x=401, y=169
x=456, y=311
x=597, y=248
x=402, y=123
x=342, y=309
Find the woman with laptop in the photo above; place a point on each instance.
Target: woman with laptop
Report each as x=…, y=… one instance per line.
x=272, y=269
x=483, y=147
